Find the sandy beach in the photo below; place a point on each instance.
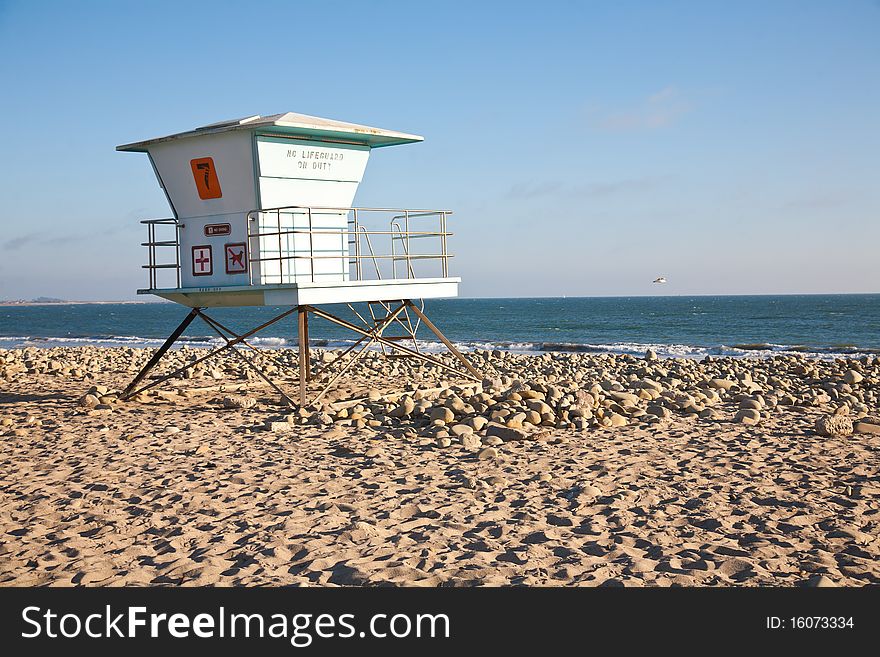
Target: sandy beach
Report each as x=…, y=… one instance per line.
x=559, y=469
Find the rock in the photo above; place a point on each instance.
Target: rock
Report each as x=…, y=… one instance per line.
x=709, y=414
x=492, y=441
x=172, y=429
x=406, y=406
x=488, y=453
x=477, y=423
x=748, y=416
x=625, y=398
x=471, y=442
x=852, y=377
x=650, y=355
x=238, y=401
x=617, y=420
x=441, y=413
x=373, y=452
x=650, y=384
x=867, y=425
x=751, y=403
x=507, y=434
x=834, y=425
x=88, y=401
x=496, y=482
x=492, y=384
x=279, y=427
x=659, y=411
x=443, y=442
x=538, y=406
x=533, y=417
x=722, y=384
x=516, y=421
x=461, y=429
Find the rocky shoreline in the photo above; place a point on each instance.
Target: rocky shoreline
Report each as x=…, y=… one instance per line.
x=558, y=468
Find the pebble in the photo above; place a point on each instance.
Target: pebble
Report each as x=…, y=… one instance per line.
x=239, y=402
x=406, y=407
x=834, y=425
x=852, y=377
x=471, y=442
x=506, y=434
x=441, y=413
x=748, y=416
x=461, y=429
x=487, y=453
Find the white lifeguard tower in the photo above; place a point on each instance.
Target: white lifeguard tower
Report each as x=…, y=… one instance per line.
x=263, y=216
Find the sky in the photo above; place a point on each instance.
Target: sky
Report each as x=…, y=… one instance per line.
x=586, y=148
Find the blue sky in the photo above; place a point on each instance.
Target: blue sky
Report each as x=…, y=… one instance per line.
x=585, y=147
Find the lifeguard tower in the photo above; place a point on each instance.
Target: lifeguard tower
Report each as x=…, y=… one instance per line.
x=263, y=216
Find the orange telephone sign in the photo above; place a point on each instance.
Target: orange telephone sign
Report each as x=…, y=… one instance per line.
x=205, y=175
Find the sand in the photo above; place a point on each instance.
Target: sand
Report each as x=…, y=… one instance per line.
x=179, y=490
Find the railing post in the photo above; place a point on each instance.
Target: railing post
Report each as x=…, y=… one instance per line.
x=177, y=250
x=409, y=270
x=357, y=247
x=311, y=245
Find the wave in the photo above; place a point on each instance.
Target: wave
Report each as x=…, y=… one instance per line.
x=663, y=350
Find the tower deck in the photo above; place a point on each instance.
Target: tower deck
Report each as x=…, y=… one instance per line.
x=312, y=294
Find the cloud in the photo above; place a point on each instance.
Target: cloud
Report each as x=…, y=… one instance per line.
x=533, y=190
x=39, y=239
x=660, y=109
x=17, y=242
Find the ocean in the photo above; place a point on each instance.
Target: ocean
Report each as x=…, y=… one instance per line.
x=822, y=326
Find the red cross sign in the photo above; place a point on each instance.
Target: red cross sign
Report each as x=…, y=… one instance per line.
x=201, y=260
x=236, y=258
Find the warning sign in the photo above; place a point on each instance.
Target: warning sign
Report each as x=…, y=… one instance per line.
x=236, y=258
x=205, y=175
x=201, y=259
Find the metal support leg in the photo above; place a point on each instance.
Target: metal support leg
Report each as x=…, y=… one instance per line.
x=159, y=353
x=375, y=334
x=415, y=354
x=443, y=339
x=305, y=340
x=218, y=329
x=303, y=353
x=229, y=345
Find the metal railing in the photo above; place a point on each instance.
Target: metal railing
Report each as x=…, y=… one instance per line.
x=273, y=244
x=154, y=265
x=298, y=243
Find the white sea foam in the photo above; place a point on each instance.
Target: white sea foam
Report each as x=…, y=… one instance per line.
x=631, y=348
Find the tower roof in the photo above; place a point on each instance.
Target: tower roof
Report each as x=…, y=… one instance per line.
x=291, y=124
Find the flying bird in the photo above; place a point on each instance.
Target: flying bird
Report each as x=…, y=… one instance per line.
x=660, y=279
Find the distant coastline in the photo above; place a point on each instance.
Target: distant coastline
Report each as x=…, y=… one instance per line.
x=64, y=302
